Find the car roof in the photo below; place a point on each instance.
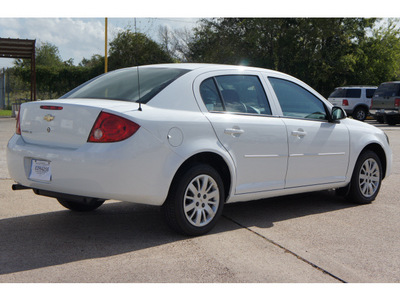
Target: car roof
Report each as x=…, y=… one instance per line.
x=390, y=82
x=211, y=67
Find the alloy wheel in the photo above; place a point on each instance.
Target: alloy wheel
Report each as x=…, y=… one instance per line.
x=369, y=177
x=201, y=200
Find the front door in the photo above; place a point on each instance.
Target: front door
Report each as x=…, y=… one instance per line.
x=318, y=149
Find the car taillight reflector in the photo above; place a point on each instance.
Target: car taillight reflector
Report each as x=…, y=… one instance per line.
x=397, y=102
x=110, y=128
x=51, y=107
x=18, y=125
x=372, y=102
x=345, y=102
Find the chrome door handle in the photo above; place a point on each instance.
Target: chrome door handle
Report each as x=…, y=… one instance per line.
x=299, y=133
x=235, y=132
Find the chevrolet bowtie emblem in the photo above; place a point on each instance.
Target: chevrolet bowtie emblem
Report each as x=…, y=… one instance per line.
x=48, y=118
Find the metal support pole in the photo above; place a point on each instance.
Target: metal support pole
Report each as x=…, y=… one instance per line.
x=3, y=90
x=33, y=73
x=106, y=44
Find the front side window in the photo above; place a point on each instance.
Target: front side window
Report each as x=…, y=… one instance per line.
x=235, y=93
x=138, y=84
x=296, y=101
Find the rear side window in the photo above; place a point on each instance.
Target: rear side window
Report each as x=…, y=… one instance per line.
x=235, y=93
x=370, y=93
x=210, y=95
x=338, y=93
x=345, y=93
x=353, y=93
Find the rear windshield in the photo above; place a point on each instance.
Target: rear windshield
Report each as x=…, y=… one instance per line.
x=346, y=93
x=139, y=84
x=388, y=90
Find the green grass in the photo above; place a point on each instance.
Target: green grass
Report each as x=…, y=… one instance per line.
x=5, y=113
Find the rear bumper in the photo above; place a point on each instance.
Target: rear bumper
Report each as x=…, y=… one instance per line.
x=349, y=112
x=133, y=170
x=383, y=112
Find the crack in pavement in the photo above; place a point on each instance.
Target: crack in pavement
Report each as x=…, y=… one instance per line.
x=287, y=250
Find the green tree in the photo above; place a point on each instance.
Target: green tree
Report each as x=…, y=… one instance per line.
x=133, y=49
x=378, y=56
x=54, y=77
x=324, y=52
x=95, y=65
x=47, y=54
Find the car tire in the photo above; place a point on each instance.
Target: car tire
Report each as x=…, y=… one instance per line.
x=360, y=114
x=195, y=200
x=380, y=119
x=366, y=180
x=391, y=121
x=81, y=206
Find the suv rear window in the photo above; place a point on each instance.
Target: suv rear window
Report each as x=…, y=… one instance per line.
x=388, y=90
x=346, y=93
x=138, y=84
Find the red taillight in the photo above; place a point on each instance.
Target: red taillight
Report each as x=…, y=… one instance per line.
x=345, y=102
x=18, y=125
x=372, y=102
x=110, y=128
x=51, y=107
x=397, y=102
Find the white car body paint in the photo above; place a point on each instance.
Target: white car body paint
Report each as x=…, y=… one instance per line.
x=267, y=155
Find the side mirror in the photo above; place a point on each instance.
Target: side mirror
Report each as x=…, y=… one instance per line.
x=338, y=114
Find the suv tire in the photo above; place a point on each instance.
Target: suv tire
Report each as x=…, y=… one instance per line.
x=360, y=113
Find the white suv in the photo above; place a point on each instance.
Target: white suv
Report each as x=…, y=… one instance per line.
x=355, y=100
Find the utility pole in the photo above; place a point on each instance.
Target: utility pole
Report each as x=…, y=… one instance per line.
x=106, y=44
x=3, y=90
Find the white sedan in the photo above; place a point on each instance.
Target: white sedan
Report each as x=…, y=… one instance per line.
x=190, y=138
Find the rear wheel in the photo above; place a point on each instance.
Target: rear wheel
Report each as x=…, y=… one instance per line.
x=88, y=205
x=380, y=119
x=195, y=201
x=391, y=121
x=366, y=179
x=360, y=114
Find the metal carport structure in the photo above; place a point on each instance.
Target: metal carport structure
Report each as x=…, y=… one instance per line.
x=24, y=49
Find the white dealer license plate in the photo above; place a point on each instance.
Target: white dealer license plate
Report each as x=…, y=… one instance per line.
x=40, y=170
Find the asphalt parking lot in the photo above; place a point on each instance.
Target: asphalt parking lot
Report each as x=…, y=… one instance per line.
x=314, y=237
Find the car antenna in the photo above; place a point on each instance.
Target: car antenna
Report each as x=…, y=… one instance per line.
x=138, y=82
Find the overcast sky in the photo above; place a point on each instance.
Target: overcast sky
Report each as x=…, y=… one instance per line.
x=76, y=27
x=79, y=38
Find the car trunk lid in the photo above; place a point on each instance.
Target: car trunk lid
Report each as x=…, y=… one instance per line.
x=64, y=123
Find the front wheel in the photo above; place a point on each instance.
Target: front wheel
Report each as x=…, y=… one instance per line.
x=195, y=201
x=366, y=179
x=89, y=205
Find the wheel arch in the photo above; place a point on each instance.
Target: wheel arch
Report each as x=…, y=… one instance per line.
x=214, y=160
x=363, y=105
x=381, y=154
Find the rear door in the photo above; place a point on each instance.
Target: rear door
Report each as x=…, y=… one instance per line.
x=238, y=108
